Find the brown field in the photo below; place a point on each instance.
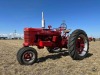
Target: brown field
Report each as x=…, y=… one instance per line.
x=48, y=63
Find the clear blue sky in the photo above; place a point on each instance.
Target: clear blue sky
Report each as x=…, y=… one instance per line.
x=17, y=14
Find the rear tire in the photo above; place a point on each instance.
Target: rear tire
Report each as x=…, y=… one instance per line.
x=27, y=56
x=74, y=52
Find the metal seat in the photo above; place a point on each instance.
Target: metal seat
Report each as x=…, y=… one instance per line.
x=67, y=30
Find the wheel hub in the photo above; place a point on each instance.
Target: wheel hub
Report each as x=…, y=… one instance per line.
x=81, y=45
x=28, y=56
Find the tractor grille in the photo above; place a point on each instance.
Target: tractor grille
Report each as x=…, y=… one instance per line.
x=26, y=36
x=29, y=37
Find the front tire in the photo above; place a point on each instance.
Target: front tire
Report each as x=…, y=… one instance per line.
x=78, y=45
x=27, y=56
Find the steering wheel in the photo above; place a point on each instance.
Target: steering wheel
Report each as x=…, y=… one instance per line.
x=63, y=26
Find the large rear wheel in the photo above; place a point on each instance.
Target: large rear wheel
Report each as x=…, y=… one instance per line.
x=78, y=44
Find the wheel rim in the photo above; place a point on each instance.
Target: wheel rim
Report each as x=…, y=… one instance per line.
x=82, y=45
x=28, y=57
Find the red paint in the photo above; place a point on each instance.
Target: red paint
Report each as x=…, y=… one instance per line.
x=80, y=45
x=44, y=38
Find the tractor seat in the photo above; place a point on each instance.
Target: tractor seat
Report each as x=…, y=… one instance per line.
x=67, y=30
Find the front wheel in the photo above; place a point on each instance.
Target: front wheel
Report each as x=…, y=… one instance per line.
x=78, y=45
x=27, y=56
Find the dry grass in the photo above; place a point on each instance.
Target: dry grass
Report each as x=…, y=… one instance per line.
x=48, y=64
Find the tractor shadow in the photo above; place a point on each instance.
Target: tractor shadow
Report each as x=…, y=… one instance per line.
x=58, y=56
x=54, y=57
x=89, y=55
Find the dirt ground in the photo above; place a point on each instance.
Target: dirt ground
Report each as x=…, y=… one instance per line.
x=48, y=63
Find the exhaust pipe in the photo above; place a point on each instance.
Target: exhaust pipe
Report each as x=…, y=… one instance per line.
x=43, y=21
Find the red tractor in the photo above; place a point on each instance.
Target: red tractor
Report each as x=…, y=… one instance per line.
x=77, y=43
x=54, y=40
x=90, y=39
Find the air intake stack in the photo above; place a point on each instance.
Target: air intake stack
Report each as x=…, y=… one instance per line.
x=43, y=21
